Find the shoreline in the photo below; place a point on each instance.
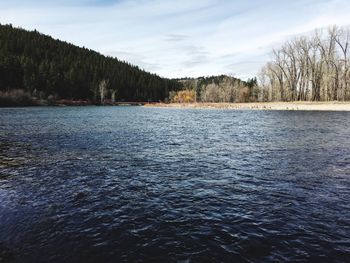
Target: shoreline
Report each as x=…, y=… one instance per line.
x=265, y=106
x=70, y=103
x=289, y=106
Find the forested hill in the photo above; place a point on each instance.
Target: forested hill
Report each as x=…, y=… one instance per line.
x=221, y=88
x=44, y=67
x=197, y=83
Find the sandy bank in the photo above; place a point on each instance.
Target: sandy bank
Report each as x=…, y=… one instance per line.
x=306, y=106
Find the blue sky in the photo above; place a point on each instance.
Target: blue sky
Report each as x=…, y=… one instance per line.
x=179, y=38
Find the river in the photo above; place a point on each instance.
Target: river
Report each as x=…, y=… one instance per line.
x=136, y=184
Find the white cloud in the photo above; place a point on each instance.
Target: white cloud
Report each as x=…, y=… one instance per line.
x=178, y=38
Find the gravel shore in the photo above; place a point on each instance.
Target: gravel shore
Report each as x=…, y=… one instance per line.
x=305, y=106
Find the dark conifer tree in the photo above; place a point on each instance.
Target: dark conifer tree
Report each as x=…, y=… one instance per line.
x=39, y=64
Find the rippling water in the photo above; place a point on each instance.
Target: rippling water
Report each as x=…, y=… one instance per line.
x=111, y=184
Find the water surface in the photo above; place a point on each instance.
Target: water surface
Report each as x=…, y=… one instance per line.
x=134, y=184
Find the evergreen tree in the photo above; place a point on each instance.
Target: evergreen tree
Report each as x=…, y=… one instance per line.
x=39, y=64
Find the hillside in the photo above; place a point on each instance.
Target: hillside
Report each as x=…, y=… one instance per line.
x=44, y=68
x=221, y=88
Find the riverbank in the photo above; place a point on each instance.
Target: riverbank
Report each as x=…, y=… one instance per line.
x=63, y=103
x=305, y=106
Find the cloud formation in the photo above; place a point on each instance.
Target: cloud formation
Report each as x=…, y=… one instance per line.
x=178, y=38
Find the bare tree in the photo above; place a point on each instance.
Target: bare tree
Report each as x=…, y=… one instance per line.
x=310, y=68
x=342, y=38
x=113, y=93
x=103, y=90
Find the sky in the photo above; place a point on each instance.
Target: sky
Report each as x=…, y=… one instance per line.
x=179, y=38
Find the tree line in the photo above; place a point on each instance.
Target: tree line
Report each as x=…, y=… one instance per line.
x=309, y=68
x=33, y=65
x=216, y=89
x=43, y=67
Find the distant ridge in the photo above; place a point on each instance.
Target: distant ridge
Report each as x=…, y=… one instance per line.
x=216, y=89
